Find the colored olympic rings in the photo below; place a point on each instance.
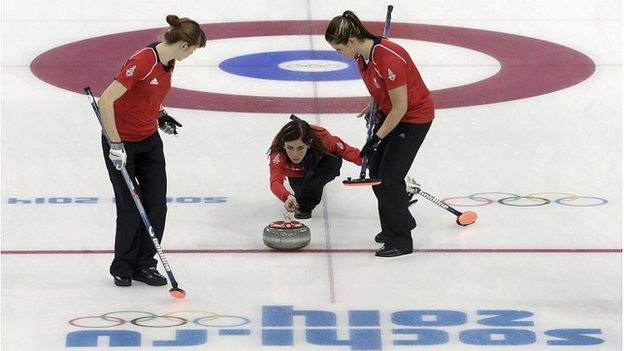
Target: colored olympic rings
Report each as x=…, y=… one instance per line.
x=530, y=200
x=152, y=320
x=242, y=322
x=118, y=322
x=178, y=321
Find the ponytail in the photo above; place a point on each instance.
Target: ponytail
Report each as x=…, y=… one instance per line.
x=346, y=26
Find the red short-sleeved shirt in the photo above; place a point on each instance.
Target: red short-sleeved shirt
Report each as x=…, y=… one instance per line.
x=390, y=67
x=147, y=81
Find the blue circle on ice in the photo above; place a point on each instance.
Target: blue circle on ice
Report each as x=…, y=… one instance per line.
x=300, y=65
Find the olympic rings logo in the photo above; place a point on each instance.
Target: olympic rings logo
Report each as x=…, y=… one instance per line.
x=151, y=320
x=530, y=200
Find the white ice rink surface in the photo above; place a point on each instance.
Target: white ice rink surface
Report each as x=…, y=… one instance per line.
x=523, y=277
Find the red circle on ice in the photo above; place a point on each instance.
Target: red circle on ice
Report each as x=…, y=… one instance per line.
x=529, y=67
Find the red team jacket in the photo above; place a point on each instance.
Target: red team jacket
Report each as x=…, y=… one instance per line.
x=147, y=81
x=281, y=167
x=390, y=67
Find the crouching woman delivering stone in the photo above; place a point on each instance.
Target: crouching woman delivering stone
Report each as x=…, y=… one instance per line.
x=310, y=157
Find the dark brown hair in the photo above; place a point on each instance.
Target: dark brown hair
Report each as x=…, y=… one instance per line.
x=295, y=130
x=341, y=28
x=184, y=29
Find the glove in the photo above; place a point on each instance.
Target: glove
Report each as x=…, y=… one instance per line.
x=371, y=145
x=167, y=124
x=117, y=155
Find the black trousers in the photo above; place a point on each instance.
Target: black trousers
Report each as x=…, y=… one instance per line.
x=309, y=189
x=134, y=248
x=390, y=163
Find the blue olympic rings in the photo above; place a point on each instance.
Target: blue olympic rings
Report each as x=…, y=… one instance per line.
x=515, y=200
x=167, y=320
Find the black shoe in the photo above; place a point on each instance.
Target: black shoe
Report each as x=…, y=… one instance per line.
x=122, y=281
x=149, y=276
x=388, y=251
x=379, y=238
x=303, y=215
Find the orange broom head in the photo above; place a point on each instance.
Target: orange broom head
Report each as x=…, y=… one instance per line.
x=467, y=218
x=177, y=293
x=361, y=182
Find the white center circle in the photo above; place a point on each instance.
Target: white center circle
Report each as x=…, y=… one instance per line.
x=313, y=65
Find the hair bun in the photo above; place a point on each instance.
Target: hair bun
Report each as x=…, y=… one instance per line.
x=173, y=20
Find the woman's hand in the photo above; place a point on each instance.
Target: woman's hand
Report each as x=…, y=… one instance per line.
x=291, y=204
x=365, y=112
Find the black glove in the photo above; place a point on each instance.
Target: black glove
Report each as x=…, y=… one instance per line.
x=371, y=145
x=167, y=124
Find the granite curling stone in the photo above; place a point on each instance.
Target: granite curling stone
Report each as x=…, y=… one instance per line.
x=286, y=235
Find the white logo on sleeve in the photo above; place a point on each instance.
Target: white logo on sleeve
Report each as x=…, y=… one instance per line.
x=154, y=81
x=391, y=75
x=130, y=71
x=340, y=146
x=276, y=159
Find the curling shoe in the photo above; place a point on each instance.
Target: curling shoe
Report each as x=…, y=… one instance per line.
x=379, y=238
x=149, y=276
x=122, y=281
x=388, y=251
x=303, y=214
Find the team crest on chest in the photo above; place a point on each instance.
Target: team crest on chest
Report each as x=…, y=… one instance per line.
x=391, y=75
x=130, y=71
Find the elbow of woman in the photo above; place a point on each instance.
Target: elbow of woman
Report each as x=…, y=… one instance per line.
x=104, y=101
x=400, y=110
